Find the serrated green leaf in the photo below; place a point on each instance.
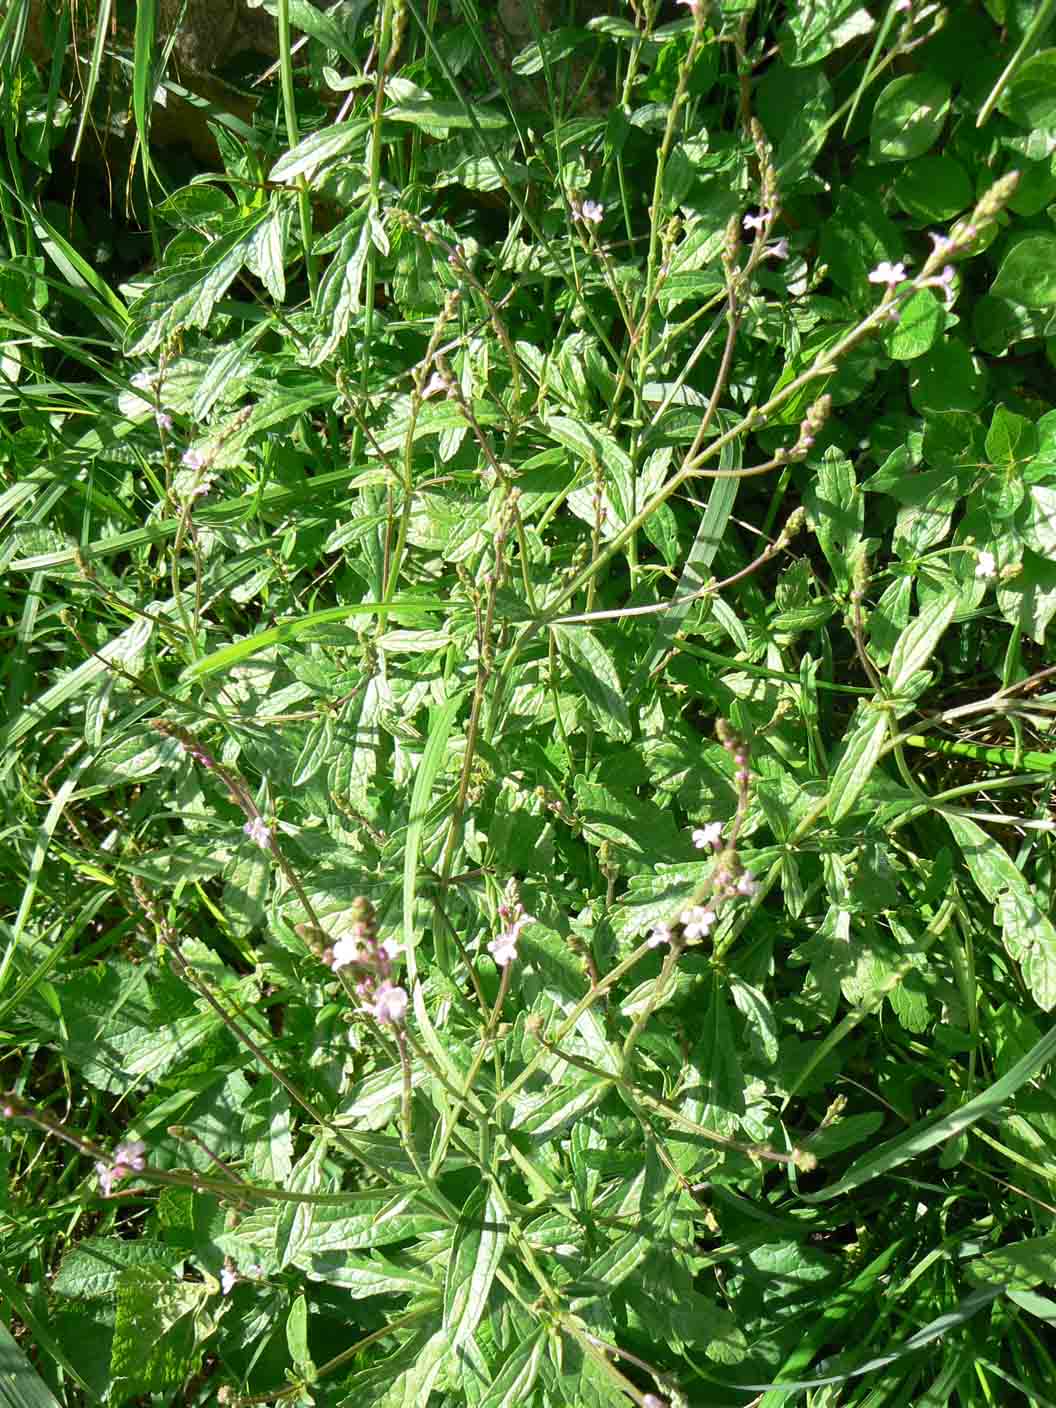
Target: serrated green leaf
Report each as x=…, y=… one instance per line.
x=159, y=1332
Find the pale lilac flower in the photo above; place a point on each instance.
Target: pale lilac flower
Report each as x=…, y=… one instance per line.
x=777, y=250
x=986, y=566
x=590, y=211
x=503, y=949
x=661, y=935
x=389, y=1005
x=943, y=281
x=202, y=487
x=143, y=381
x=436, y=385
x=651, y=1400
x=747, y=884
x=259, y=832
x=228, y=1277
x=163, y=419
x=887, y=273
x=127, y=1158
x=756, y=222
x=940, y=244
x=696, y=921
x=710, y=835
x=192, y=459
x=692, y=5
x=902, y=5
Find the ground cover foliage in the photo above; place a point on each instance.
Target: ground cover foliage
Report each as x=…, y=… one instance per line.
x=528, y=571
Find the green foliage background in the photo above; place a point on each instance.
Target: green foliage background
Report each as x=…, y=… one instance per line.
x=354, y=477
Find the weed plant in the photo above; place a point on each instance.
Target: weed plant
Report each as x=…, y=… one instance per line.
x=528, y=557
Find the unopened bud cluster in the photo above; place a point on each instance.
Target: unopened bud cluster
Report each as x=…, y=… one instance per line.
x=811, y=426
x=370, y=959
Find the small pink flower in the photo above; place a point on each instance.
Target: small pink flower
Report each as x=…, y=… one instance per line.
x=163, y=419
x=652, y=1401
x=747, y=884
x=390, y=1004
x=887, y=273
x=503, y=949
x=777, y=250
x=590, y=212
x=228, y=1277
x=259, y=832
x=940, y=244
x=127, y=1158
x=435, y=386
x=192, y=459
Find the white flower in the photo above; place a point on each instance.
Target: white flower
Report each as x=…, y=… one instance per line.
x=259, y=832
x=986, y=566
x=697, y=921
x=661, y=935
x=886, y=273
x=347, y=950
x=389, y=1005
x=590, y=212
x=756, y=222
x=709, y=835
x=227, y=1280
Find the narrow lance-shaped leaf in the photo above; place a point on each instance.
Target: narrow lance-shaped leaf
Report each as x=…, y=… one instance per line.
x=480, y=1239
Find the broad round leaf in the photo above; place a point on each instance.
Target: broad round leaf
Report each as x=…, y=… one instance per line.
x=933, y=188
x=1030, y=99
x=1028, y=274
x=948, y=378
x=908, y=117
x=920, y=324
